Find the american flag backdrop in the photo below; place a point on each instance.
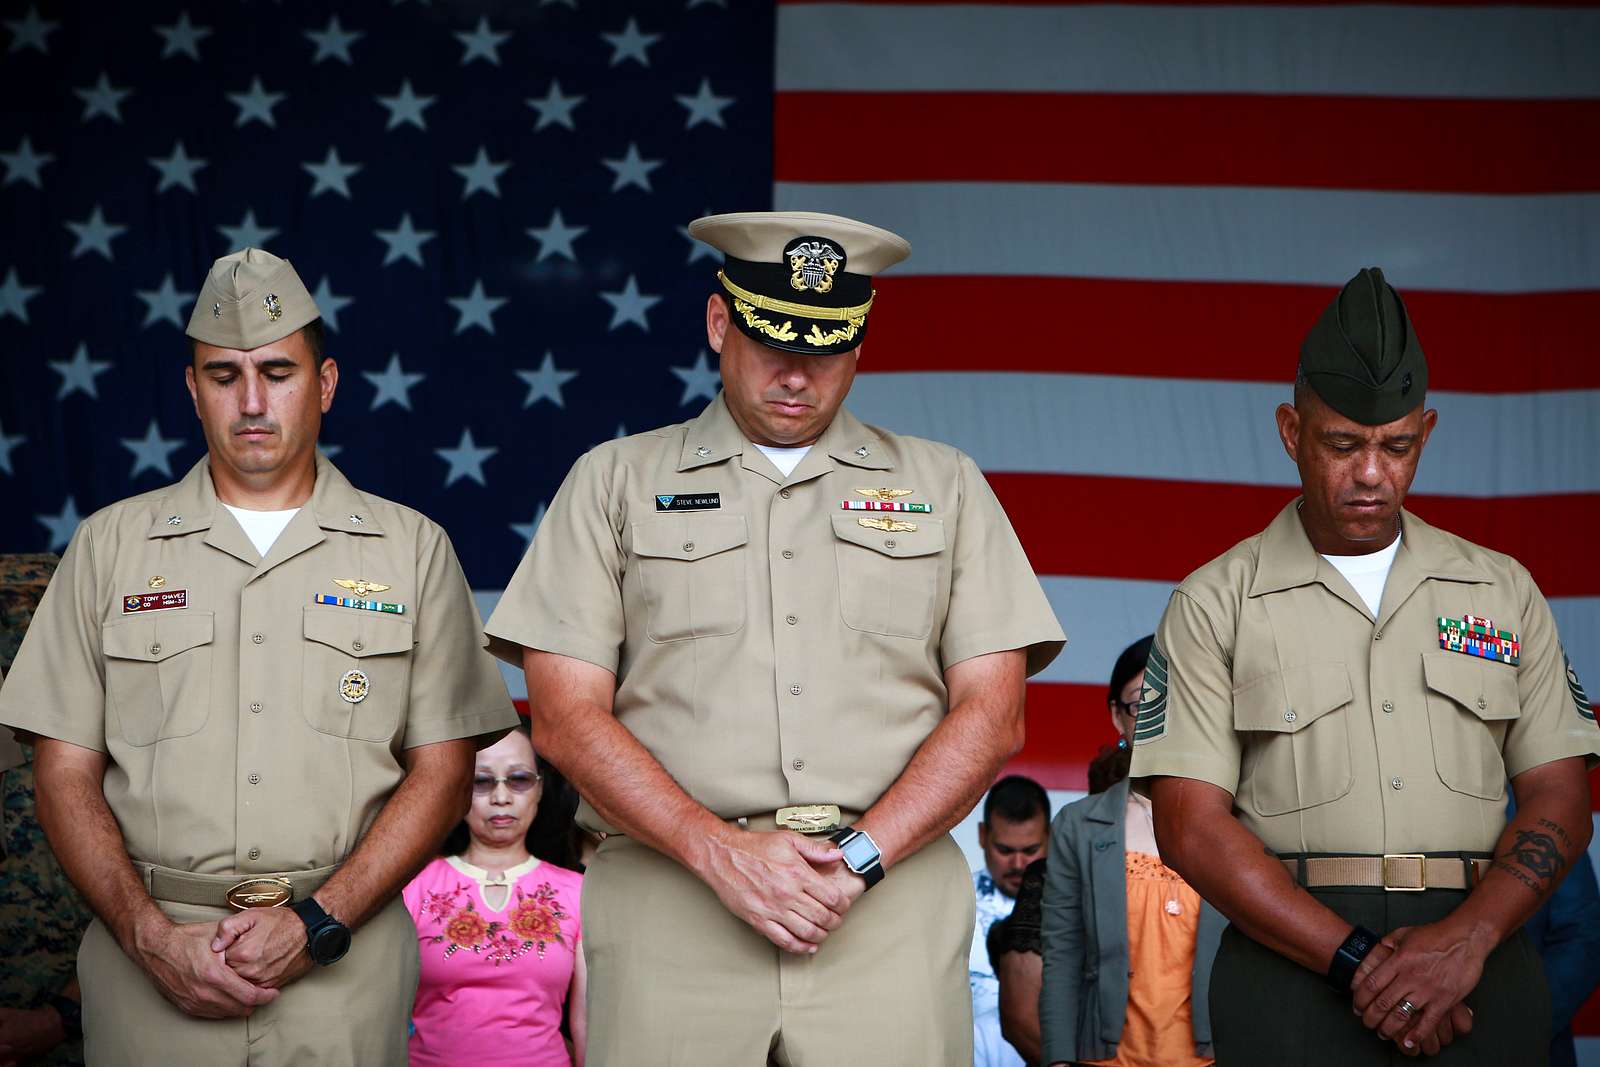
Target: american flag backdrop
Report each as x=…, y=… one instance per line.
x=1124, y=217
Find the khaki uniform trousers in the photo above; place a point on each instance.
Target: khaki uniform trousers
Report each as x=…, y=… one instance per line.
x=675, y=980
x=1267, y=1010
x=355, y=1012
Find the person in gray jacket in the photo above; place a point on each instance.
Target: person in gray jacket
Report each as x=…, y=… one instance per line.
x=1117, y=923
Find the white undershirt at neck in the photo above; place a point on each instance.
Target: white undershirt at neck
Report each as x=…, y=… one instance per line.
x=262, y=527
x=785, y=459
x=1367, y=574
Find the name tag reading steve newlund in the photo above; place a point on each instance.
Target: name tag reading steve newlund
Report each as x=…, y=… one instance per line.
x=688, y=501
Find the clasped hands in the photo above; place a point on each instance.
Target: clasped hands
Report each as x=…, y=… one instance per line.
x=793, y=889
x=1430, y=967
x=228, y=968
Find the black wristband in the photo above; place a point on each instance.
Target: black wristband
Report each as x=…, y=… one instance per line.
x=1349, y=956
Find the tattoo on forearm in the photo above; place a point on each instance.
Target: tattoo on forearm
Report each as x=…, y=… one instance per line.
x=1535, y=859
x=1566, y=841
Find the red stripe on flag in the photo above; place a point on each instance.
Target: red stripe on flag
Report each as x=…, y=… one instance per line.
x=1431, y=145
x=1238, y=331
x=1067, y=725
x=1077, y=524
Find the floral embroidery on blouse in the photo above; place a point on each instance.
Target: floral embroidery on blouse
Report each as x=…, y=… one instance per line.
x=534, y=923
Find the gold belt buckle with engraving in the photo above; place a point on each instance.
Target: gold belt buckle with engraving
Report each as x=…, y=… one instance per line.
x=260, y=893
x=809, y=818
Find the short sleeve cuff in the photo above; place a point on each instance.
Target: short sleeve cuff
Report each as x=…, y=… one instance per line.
x=496, y=720
x=1548, y=750
x=1178, y=765
x=507, y=645
x=73, y=734
x=1042, y=648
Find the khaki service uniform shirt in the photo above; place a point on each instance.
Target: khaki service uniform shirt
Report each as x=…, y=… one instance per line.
x=769, y=649
x=213, y=682
x=1339, y=733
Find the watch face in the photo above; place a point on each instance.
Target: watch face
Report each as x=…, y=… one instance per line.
x=330, y=944
x=860, y=852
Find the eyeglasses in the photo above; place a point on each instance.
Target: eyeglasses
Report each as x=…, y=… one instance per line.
x=1128, y=708
x=516, y=781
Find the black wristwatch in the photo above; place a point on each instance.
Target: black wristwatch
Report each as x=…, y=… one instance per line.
x=327, y=939
x=1349, y=957
x=860, y=853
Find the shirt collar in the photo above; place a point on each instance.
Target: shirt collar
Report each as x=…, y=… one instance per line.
x=1287, y=558
x=191, y=504
x=713, y=437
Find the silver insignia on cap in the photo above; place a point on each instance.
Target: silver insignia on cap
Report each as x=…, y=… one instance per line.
x=273, y=306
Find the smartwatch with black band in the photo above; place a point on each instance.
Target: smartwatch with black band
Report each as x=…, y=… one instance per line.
x=1349, y=956
x=860, y=853
x=327, y=939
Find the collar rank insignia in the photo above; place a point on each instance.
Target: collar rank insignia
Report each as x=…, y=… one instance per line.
x=1474, y=635
x=360, y=586
x=888, y=525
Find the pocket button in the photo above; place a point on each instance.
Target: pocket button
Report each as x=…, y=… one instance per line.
x=155, y=650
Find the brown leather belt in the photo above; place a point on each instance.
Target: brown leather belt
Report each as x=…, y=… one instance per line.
x=230, y=890
x=1397, y=872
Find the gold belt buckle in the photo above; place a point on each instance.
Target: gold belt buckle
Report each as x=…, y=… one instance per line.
x=260, y=893
x=809, y=818
x=1422, y=872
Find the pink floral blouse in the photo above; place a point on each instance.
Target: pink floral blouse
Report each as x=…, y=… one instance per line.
x=493, y=981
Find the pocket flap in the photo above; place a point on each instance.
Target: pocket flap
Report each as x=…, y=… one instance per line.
x=1488, y=690
x=1292, y=699
x=925, y=540
x=151, y=640
x=358, y=633
x=688, y=537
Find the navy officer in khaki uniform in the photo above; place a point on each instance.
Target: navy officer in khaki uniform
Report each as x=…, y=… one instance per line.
x=255, y=695
x=1353, y=688
x=781, y=653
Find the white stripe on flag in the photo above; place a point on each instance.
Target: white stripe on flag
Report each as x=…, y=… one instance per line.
x=1354, y=50
x=1214, y=431
x=1449, y=241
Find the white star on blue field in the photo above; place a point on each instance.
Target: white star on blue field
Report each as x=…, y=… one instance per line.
x=487, y=204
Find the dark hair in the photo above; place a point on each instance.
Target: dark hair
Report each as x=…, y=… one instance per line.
x=1016, y=798
x=549, y=835
x=1110, y=764
x=316, y=337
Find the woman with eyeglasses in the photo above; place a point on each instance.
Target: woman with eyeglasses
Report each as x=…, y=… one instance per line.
x=499, y=931
x=1127, y=945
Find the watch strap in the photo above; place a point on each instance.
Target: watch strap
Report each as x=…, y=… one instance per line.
x=1342, y=971
x=873, y=872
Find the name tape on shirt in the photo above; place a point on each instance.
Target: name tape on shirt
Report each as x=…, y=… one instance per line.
x=688, y=501
x=171, y=598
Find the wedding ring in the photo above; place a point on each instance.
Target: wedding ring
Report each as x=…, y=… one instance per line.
x=1406, y=1008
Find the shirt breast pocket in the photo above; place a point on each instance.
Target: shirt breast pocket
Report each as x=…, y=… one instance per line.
x=692, y=573
x=1471, y=703
x=888, y=581
x=356, y=680
x=1297, y=737
x=158, y=675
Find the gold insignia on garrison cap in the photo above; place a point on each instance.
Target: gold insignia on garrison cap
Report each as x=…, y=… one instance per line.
x=250, y=298
x=799, y=281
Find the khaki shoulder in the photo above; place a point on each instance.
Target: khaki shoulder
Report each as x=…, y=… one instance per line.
x=1498, y=565
x=905, y=450
x=636, y=449
x=1219, y=587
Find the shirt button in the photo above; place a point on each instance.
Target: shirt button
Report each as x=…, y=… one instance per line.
x=1378, y=636
x=1482, y=704
x=155, y=650
x=784, y=493
x=258, y=638
x=1388, y=707
x=255, y=779
x=1397, y=782
x=256, y=707
x=1290, y=716
x=254, y=853
x=799, y=764
x=688, y=546
x=357, y=645
x=795, y=689
x=788, y=554
x=791, y=619
x=889, y=543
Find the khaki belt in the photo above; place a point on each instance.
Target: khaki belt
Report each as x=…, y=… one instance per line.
x=230, y=890
x=1397, y=872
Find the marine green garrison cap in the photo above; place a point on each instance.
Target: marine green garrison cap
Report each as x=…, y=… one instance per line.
x=800, y=280
x=251, y=298
x=1362, y=357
